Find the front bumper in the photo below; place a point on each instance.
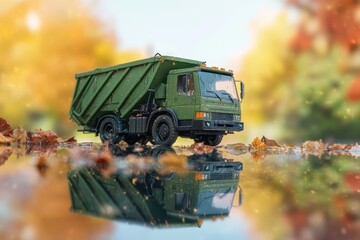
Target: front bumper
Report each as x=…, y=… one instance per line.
x=211, y=125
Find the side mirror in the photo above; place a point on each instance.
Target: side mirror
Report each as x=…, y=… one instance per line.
x=242, y=93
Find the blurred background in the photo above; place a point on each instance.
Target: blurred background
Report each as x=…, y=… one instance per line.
x=299, y=59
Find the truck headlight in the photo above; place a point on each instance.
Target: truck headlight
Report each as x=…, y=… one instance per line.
x=236, y=117
x=202, y=115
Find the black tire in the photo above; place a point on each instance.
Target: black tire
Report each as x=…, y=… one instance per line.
x=212, y=140
x=110, y=130
x=163, y=131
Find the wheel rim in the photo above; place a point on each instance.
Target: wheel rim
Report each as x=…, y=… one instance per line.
x=108, y=131
x=164, y=131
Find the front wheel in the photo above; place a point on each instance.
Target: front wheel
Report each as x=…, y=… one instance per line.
x=110, y=130
x=163, y=131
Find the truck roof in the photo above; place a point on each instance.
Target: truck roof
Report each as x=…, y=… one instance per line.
x=201, y=68
x=139, y=62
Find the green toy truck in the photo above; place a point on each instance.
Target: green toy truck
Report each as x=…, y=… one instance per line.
x=158, y=99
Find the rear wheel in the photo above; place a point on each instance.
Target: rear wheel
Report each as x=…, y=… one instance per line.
x=110, y=130
x=163, y=131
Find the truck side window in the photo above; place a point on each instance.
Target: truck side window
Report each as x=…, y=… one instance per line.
x=185, y=84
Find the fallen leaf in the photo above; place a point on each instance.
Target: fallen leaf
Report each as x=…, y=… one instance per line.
x=44, y=137
x=240, y=146
x=20, y=136
x=269, y=142
x=200, y=148
x=123, y=145
x=71, y=140
x=313, y=146
x=339, y=147
x=5, y=129
x=237, y=148
x=257, y=144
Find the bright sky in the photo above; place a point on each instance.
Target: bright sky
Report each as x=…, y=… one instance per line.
x=218, y=32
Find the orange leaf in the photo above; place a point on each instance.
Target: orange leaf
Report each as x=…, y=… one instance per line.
x=258, y=144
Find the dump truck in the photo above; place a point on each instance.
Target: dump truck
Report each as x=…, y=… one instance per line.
x=178, y=199
x=158, y=99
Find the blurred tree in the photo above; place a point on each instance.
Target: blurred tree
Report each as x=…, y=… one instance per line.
x=43, y=44
x=305, y=81
x=337, y=19
x=323, y=102
x=265, y=70
x=315, y=106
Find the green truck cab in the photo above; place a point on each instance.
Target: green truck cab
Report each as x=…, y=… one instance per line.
x=158, y=99
x=178, y=199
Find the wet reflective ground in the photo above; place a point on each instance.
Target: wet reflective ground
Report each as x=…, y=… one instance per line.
x=95, y=192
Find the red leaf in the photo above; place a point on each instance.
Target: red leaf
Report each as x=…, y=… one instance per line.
x=5, y=129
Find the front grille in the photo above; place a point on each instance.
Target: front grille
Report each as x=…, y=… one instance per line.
x=221, y=176
x=222, y=116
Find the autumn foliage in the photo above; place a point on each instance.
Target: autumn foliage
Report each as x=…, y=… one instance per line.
x=38, y=137
x=302, y=76
x=43, y=44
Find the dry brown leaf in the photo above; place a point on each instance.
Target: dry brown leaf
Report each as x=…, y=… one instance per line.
x=44, y=137
x=71, y=140
x=240, y=146
x=20, y=136
x=313, y=146
x=123, y=145
x=339, y=147
x=200, y=148
x=269, y=142
x=5, y=128
x=257, y=144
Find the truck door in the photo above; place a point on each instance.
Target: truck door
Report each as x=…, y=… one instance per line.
x=183, y=98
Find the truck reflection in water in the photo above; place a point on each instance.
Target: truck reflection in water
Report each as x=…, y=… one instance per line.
x=206, y=189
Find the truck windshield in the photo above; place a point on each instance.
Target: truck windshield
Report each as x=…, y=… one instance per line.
x=217, y=86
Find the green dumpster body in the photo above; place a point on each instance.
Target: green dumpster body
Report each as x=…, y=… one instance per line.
x=120, y=89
